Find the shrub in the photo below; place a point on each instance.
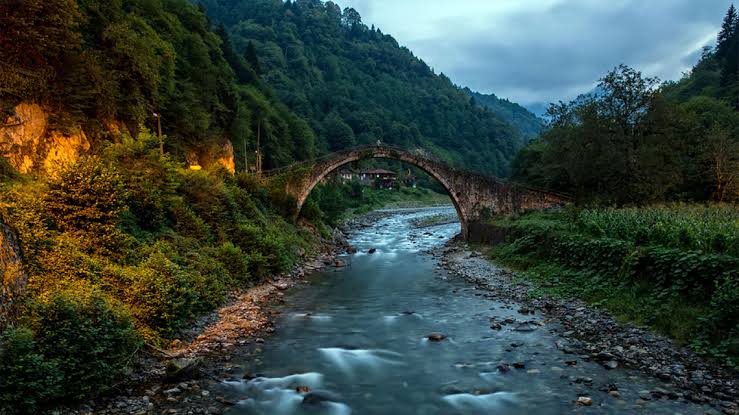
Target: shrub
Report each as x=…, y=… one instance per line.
x=648, y=269
x=90, y=340
x=267, y=248
x=205, y=194
x=187, y=223
x=28, y=378
x=151, y=180
x=89, y=197
x=163, y=295
x=235, y=261
x=7, y=172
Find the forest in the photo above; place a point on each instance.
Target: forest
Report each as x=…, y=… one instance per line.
x=638, y=140
x=356, y=85
x=298, y=79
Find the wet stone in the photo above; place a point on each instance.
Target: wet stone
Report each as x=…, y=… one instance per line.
x=436, y=337
x=584, y=401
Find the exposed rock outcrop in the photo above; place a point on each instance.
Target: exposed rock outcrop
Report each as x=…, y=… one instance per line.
x=12, y=276
x=30, y=146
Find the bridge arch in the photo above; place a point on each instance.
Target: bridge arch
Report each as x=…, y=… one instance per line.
x=323, y=169
x=475, y=197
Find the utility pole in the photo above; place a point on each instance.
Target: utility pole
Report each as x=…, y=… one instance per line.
x=159, y=132
x=259, y=154
x=246, y=157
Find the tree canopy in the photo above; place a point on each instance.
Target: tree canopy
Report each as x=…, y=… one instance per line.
x=636, y=141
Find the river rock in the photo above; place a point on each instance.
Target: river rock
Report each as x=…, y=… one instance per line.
x=436, y=337
x=317, y=397
x=584, y=401
x=372, y=251
x=645, y=395
x=526, y=326
x=181, y=368
x=610, y=365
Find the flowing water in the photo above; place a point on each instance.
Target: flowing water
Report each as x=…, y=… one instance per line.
x=354, y=341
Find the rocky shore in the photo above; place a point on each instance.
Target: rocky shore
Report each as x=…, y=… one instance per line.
x=595, y=335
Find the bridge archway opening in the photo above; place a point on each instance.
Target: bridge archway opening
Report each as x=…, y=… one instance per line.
x=334, y=165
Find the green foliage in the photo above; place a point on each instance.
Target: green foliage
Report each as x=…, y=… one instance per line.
x=635, y=142
x=151, y=181
x=7, y=172
x=689, y=227
x=182, y=240
x=88, y=197
x=37, y=34
x=657, y=266
x=235, y=261
x=90, y=340
x=28, y=379
x=75, y=344
x=163, y=295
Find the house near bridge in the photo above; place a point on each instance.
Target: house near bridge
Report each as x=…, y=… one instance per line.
x=379, y=178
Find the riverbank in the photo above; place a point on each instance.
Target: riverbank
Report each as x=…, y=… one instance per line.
x=594, y=335
x=177, y=380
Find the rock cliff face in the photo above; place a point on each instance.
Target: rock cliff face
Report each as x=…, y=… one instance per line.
x=214, y=155
x=12, y=276
x=29, y=145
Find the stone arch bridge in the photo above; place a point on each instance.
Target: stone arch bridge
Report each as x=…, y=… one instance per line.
x=475, y=197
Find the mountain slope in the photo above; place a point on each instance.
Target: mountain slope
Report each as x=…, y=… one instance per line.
x=356, y=85
x=527, y=123
x=93, y=64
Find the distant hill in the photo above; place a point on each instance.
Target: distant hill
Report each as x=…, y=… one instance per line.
x=518, y=116
x=538, y=108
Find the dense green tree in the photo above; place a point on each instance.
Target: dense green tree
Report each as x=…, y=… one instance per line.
x=36, y=37
x=251, y=57
x=727, y=33
x=338, y=134
x=625, y=144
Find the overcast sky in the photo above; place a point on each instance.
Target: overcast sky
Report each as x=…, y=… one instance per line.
x=541, y=51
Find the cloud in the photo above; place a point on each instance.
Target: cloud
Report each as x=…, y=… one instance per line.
x=547, y=50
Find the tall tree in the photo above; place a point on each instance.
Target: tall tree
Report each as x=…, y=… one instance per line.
x=722, y=160
x=252, y=58
x=728, y=32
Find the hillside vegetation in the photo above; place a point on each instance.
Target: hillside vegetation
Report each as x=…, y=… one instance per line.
x=123, y=248
x=356, y=85
x=519, y=117
x=95, y=64
x=674, y=268
x=639, y=141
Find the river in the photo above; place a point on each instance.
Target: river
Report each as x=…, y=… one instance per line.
x=354, y=340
